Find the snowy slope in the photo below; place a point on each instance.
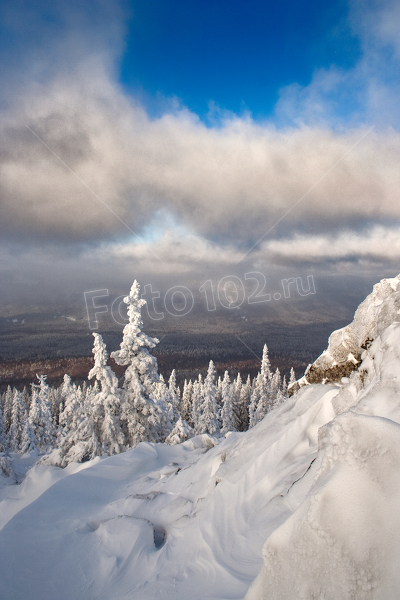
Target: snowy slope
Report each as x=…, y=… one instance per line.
x=305, y=505
x=344, y=540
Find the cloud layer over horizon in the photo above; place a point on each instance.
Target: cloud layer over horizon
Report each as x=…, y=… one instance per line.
x=88, y=171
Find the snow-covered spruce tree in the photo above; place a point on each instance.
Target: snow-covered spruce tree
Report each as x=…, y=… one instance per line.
x=228, y=419
x=106, y=403
x=186, y=402
x=77, y=437
x=40, y=416
x=274, y=389
x=209, y=420
x=141, y=412
x=218, y=395
x=163, y=402
x=18, y=418
x=264, y=402
x=242, y=409
x=284, y=387
x=180, y=433
x=2, y=432
x=173, y=398
x=292, y=379
x=7, y=408
x=254, y=400
x=68, y=403
x=266, y=365
x=197, y=405
x=259, y=402
x=29, y=441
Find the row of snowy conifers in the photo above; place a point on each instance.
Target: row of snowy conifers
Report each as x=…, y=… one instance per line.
x=77, y=424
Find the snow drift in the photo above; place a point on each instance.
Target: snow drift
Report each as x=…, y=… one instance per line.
x=304, y=505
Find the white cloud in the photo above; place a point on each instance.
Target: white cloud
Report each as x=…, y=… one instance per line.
x=234, y=181
x=379, y=244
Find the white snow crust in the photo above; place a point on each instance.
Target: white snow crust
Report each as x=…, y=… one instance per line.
x=302, y=506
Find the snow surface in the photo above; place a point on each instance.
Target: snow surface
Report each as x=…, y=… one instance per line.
x=302, y=506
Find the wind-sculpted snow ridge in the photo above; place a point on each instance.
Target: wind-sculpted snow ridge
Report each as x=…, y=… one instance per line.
x=304, y=505
x=346, y=345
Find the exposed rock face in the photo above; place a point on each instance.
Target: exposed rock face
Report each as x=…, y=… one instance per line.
x=346, y=345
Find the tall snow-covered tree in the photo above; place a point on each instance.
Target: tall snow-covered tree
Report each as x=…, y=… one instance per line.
x=218, y=396
x=284, y=387
x=77, y=437
x=18, y=418
x=173, y=397
x=165, y=410
x=40, y=418
x=2, y=432
x=259, y=402
x=107, y=402
x=236, y=387
x=69, y=404
x=197, y=405
x=292, y=379
x=274, y=389
x=266, y=365
x=264, y=402
x=141, y=412
x=186, y=402
x=7, y=408
x=242, y=409
x=227, y=411
x=29, y=442
x=209, y=421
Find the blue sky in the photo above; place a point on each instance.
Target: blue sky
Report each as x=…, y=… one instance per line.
x=234, y=53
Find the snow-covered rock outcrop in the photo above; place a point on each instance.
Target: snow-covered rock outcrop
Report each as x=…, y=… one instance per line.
x=346, y=345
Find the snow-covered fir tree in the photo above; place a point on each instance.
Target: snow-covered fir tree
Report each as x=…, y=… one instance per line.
x=236, y=386
x=186, y=402
x=173, y=397
x=264, y=398
x=2, y=432
x=259, y=401
x=274, y=389
x=209, y=420
x=227, y=411
x=292, y=379
x=140, y=411
x=218, y=395
x=29, y=441
x=266, y=365
x=284, y=387
x=40, y=418
x=164, y=404
x=7, y=408
x=242, y=408
x=106, y=403
x=197, y=405
x=180, y=433
x=77, y=437
x=18, y=418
